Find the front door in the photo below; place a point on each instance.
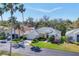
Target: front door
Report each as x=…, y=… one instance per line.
x=77, y=38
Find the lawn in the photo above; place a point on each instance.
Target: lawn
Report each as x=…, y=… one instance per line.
x=65, y=46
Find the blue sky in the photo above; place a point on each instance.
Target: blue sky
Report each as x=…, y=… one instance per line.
x=53, y=10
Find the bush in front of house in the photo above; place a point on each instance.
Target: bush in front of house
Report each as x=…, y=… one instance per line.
x=20, y=39
x=23, y=37
x=41, y=38
x=63, y=39
x=17, y=40
x=35, y=41
x=51, y=39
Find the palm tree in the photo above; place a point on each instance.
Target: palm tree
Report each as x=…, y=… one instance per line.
x=12, y=7
x=12, y=20
x=22, y=10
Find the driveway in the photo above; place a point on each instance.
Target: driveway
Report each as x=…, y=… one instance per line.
x=45, y=52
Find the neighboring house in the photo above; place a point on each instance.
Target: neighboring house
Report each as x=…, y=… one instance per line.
x=44, y=31
x=16, y=32
x=49, y=31
x=73, y=35
x=8, y=34
x=24, y=30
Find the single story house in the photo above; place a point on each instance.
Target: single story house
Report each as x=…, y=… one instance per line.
x=44, y=31
x=73, y=35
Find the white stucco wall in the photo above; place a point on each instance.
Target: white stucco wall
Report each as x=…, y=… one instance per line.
x=32, y=35
x=73, y=35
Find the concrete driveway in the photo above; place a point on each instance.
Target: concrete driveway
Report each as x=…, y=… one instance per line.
x=28, y=52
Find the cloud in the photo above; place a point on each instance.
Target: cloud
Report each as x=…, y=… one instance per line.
x=46, y=11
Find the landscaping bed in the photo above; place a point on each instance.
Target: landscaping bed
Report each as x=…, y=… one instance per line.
x=20, y=39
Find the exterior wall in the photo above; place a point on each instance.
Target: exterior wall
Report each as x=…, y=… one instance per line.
x=73, y=34
x=57, y=35
x=73, y=39
x=32, y=36
x=76, y=37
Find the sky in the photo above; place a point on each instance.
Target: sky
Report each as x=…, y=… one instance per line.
x=53, y=10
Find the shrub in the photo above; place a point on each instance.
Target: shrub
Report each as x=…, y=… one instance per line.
x=20, y=39
x=23, y=37
x=51, y=39
x=63, y=39
x=35, y=41
x=17, y=40
x=2, y=37
x=41, y=39
x=2, y=34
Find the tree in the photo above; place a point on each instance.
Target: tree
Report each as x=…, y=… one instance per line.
x=30, y=21
x=12, y=20
x=43, y=22
x=68, y=24
x=22, y=10
x=76, y=23
x=46, y=18
x=12, y=7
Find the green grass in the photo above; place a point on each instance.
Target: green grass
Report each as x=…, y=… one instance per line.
x=2, y=38
x=64, y=46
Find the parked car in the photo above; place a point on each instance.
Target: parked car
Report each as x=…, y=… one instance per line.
x=3, y=41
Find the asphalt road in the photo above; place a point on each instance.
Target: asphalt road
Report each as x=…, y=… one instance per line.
x=28, y=52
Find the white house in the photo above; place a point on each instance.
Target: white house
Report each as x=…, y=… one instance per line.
x=73, y=35
x=44, y=31
x=32, y=35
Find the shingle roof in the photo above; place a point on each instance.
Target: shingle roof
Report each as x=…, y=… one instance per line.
x=47, y=30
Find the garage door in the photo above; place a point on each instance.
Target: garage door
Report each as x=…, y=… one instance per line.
x=77, y=38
